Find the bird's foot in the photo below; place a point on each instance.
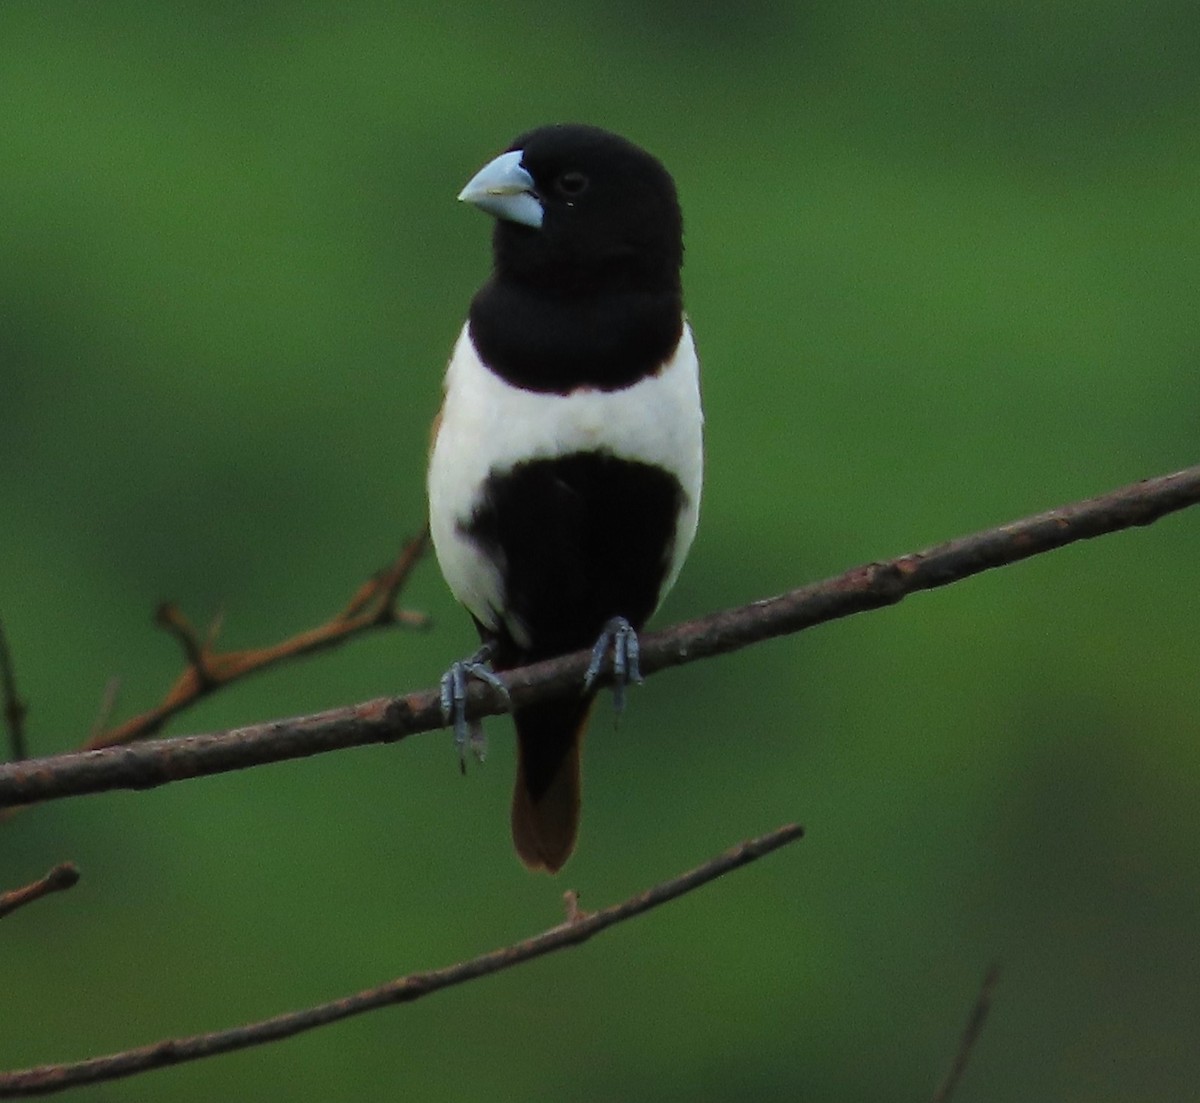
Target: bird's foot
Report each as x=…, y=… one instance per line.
x=621, y=638
x=469, y=733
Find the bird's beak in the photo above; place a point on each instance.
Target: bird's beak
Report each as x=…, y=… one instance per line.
x=504, y=189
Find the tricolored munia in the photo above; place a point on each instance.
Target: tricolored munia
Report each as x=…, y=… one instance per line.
x=566, y=465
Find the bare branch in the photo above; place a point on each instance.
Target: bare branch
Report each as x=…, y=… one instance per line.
x=61, y=877
x=53, y=1078
x=389, y=719
x=14, y=708
x=978, y=1016
x=206, y=670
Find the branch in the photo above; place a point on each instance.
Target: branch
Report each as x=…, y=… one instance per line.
x=978, y=1016
x=52, y=1078
x=389, y=719
x=372, y=606
x=14, y=708
x=61, y=877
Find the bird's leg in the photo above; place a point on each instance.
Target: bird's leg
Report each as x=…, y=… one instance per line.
x=454, y=701
x=621, y=638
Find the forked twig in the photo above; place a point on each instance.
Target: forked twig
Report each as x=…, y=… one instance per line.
x=372, y=606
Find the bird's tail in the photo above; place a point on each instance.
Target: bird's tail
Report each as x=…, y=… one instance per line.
x=545, y=808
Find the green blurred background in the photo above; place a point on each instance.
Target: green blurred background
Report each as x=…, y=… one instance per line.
x=943, y=262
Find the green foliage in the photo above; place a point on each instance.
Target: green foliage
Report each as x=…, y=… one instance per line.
x=942, y=264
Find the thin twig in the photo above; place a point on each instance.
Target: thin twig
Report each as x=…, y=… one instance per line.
x=389, y=719
x=171, y=619
x=52, y=1078
x=108, y=704
x=214, y=629
x=975, y=1021
x=372, y=606
x=62, y=876
x=15, y=709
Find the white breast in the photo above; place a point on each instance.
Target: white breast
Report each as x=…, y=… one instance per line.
x=488, y=426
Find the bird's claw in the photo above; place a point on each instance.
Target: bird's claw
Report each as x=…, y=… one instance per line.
x=619, y=637
x=468, y=732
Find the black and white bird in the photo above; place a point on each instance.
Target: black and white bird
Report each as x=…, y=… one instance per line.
x=566, y=465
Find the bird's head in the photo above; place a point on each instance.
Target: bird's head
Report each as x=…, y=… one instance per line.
x=579, y=208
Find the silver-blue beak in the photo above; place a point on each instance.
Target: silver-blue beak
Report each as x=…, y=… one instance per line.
x=504, y=189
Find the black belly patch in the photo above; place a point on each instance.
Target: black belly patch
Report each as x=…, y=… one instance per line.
x=579, y=539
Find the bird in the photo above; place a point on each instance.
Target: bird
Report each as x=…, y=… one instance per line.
x=567, y=459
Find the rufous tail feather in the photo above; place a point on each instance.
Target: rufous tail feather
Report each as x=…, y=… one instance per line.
x=546, y=798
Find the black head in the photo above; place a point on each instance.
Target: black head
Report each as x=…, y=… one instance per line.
x=581, y=209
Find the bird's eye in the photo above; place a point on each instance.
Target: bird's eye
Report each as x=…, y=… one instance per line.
x=572, y=183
